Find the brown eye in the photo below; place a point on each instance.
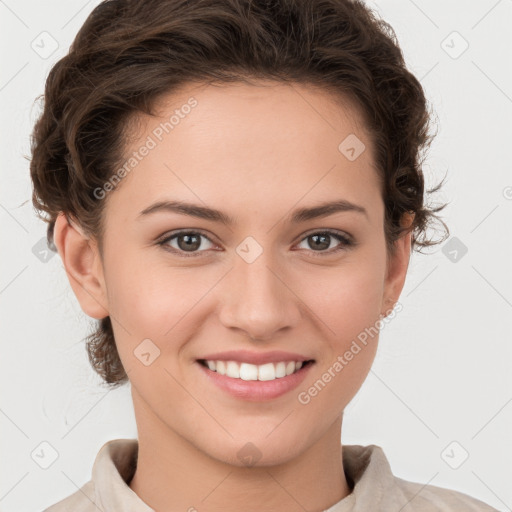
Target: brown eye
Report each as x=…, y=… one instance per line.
x=320, y=241
x=186, y=242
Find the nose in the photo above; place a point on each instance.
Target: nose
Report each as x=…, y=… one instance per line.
x=258, y=299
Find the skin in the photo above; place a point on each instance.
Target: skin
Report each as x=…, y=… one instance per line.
x=256, y=152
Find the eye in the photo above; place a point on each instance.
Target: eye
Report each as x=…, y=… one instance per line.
x=187, y=242
x=322, y=240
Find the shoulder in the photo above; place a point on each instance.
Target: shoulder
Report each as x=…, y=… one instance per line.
x=430, y=498
x=83, y=500
x=375, y=487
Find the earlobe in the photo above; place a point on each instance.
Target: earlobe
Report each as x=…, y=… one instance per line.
x=83, y=266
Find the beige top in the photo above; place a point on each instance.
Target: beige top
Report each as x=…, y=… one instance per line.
x=374, y=488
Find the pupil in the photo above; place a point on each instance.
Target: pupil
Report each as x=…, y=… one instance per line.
x=189, y=244
x=322, y=244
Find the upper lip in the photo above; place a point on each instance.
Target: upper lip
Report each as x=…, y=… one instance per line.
x=257, y=358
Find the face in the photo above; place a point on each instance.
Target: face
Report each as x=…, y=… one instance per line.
x=181, y=287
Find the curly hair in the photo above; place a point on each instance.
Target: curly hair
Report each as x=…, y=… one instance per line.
x=129, y=53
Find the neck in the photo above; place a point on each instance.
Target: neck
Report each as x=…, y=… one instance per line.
x=174, y=474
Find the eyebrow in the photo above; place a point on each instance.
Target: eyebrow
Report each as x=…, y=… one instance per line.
x=299, y=215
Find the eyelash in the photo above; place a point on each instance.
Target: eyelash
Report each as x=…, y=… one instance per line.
x=346, y=242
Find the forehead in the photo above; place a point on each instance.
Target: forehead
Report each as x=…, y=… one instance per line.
x=249, y=143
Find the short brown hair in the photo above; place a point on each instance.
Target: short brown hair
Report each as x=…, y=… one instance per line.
x=129, y=53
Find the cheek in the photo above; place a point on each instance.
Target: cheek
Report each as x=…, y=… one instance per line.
x=346, y=300
x=156, y=302
x=348, y=307
x=347, y=357
x=150, y=297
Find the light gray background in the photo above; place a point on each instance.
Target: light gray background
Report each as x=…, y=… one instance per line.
x=442, y=371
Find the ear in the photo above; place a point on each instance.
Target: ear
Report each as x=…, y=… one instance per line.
x=397, y=266
x=83, y=266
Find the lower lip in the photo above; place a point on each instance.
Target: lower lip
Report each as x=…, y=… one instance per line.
x=256, y=390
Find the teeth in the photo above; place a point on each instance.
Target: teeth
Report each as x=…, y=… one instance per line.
x=280, y=370
x=266, y=371
x=246, y=371
x=232, y=370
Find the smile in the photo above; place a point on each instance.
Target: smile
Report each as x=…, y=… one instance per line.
x=248, y=371
x=256, y=383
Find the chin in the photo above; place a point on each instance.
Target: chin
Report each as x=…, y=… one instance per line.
x=259, y=451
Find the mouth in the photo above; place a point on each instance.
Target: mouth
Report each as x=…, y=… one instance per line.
x=252, y=372
x=255, y=382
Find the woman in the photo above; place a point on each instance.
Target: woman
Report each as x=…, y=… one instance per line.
x=235, y=189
